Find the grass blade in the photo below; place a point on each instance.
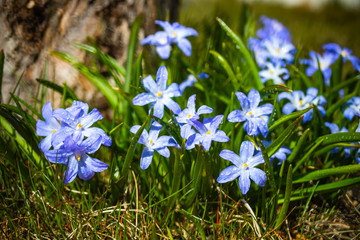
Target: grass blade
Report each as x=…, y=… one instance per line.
x=224, y=63
x=286, y=203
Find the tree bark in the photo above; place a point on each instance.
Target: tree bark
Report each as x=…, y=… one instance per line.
x=31, y=29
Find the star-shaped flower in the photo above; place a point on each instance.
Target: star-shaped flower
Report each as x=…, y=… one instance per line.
x=188, y=115
x=298, y=101
x=353, y=108
x=244, y=167
x=152, y=143
x=158, y=95
x=255, y=117
x=207, y=133
x=344, y=52
x=274, y=72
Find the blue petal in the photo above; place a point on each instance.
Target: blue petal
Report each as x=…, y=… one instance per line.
x=199, y=126
x=262, y=126
x=164, y=151
x=146, y=158
x=220, y=136
x=333, y=127
x=159, y=109
x=232, y=157
x=288, y=108
x=60, y=135
x=186, y=131
x=94, y=164
x=143, y=99
x=204, y=110
x=255, y=160
x=206, y=143
x=91, y=118
x=258, y=176
x=161, y=78
x=244, y=181
x=172, y=105
x=191, y=103
x=254, y=98
x=84, y=170
x=214, y=125
x=236, y=116
x=45, y=144
x=185, y=46
x=47, y=111
x=163, y=51
x=228, y=174
x=243, y=100
x=173, y=90
x=106, y=140
x=147, y=40
x=150, y=85
x=64, y=116
x=72, y=170
x=349, y=113
x=91, y=144
x=192, y=141
x=247, y=149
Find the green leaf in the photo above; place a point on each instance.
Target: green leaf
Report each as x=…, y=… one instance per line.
x=243, y=49
x=338, y=104
x=226, y=66
x=275, y=145
x=298, y=145
x=135, y=28
x=335, y=89
x=285, y=206
x=338, y=138
x=319, y=174
x=273, y=89
x=288, y=117
x=70, y=94
x=307, y=155
x=303, y=76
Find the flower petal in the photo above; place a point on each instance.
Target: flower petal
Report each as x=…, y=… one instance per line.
x=258, y=176
x=204, y=110
x=254, y=98
x=246, y=151
x=150, y=85
x=163, y=51
x=172, y=105
x=164, y=151
x=143, y=99
x=84, y=171
x=146, y=158
x=244, y=181
x=228, y=174
x=91, y=118
x=94, y=164
x=232, y=157
x=220, y=136
x=243, y=100
x=161, y=78
x=72, y=170
x=185, y=46
x=236, y=116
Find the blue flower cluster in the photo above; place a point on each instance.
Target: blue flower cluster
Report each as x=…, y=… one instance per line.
x=69, y=138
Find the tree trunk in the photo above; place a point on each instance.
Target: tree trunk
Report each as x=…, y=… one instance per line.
x=31, y=29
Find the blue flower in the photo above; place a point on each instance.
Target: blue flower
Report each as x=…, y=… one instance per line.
x=335, y=129
x=47, y=128
x=189, y=114
x=353, y=108
x=324, y=64
x=74, y=154
x=279, y=154
x=158, y=95
x=244, y=167
x=273, y=28
x=256, y=116
x=174, y=33
x=152, y=143
x=298, y=101
x=190, y=80
x=345, y=53
x=274, y=72
x=207, y=133
x=279, y=49
x=76, y=122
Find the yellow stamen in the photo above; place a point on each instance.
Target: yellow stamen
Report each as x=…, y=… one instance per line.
x=174, y=34
x=277, y=50
x=208, y=132
x=271, y=71
x=300, y=101
x=151, y=141
x=78, y=158
x=79, y=125
x=54, y=130
x=159, y=94
x=344, y=53
x=245, y=165
x=189, y=116
x=250, y=112
x=260, y=116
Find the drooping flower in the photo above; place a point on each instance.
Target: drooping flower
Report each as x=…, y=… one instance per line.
x=324, y=65
x=256, y=116
x=353, y=108
x=244, y=167
x=190, y=80
x=207, y=133
x=174, y=33
x=76, y=122
x=344, y=52
x=47, y=128
x=190, y=114
x=279, y=154
x=335, y=129
x=298, y=102
x=274, y=72
x=158, y=95
x=74, y=154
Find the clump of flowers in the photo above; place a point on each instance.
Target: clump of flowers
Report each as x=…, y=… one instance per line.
x=173, y=33
x=298, y=102
x=69, y=138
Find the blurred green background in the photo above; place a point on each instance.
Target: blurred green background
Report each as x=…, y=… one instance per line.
x=310, y=26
